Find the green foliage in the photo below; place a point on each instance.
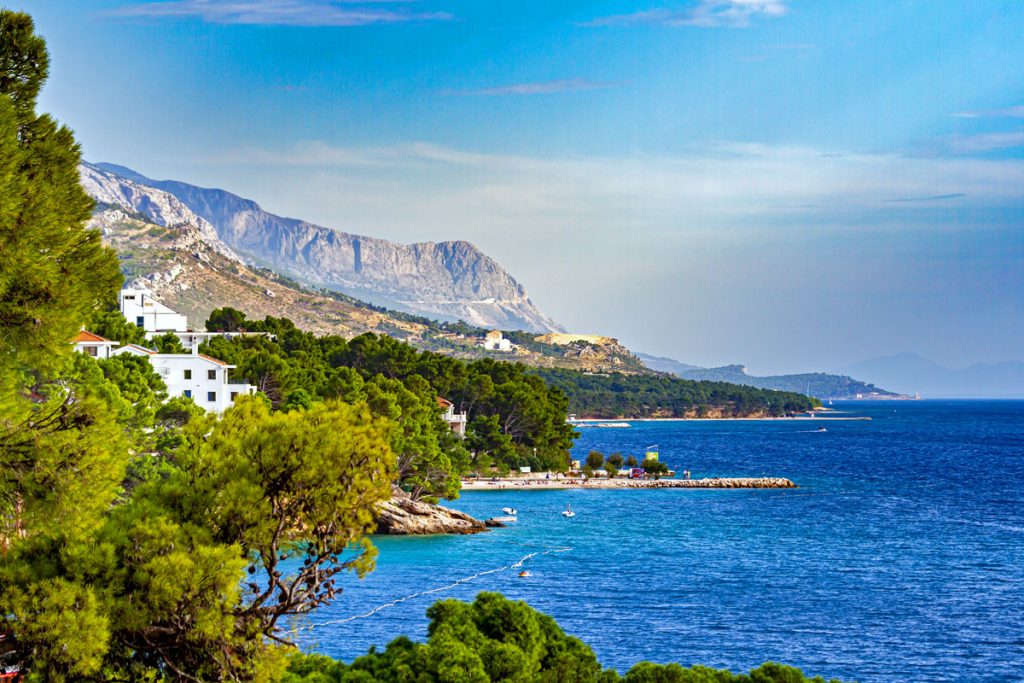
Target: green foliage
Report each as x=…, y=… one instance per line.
x=595, y=459
x=616, y=460
x=109, y=323
x=515, y=419
x=636, y=396
x=492, y=639
x=495, y=639
x=226, y=319
x=53, y=271
x=654, y=468
x=167, y=342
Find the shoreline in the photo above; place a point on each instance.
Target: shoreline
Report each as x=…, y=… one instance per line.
x=510, y=484
x=591, y=421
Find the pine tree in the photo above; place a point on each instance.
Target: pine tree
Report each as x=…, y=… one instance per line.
x=54, y=271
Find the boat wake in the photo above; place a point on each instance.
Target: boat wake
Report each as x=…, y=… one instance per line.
x=440, y=589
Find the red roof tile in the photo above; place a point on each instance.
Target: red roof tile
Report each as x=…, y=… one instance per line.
x=86, y=336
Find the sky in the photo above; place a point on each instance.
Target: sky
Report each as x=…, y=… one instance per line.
x=787, y=184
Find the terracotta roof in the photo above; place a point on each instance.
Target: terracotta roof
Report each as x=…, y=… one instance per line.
x=215, y=360
x=86, y=336
x=444, y=403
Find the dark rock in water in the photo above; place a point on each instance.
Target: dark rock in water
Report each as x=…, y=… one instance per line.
x=493, y=524
x=403, y=516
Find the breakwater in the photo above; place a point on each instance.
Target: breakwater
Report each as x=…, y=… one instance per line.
x=537, y=484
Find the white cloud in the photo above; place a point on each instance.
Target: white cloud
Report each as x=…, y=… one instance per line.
x=716, y=183
x=986, y=142
x=281, y=12
x=705, y=14
x=1014, y=112
x=536, y=88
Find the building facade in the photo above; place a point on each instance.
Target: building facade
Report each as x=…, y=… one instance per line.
x=93, y=345
x=194, y=375
x=457, y=421
x=140, y=309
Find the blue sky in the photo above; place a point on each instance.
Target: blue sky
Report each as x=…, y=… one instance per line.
x=789, y=184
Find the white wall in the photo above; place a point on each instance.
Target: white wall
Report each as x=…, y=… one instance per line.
x=140, y=309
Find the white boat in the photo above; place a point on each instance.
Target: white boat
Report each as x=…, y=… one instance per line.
x=504, y=520
x=509, y=511
x=567, y=512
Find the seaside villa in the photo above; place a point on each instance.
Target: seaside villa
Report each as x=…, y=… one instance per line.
x=457, y=421
x=93, y=345
x=193, y=375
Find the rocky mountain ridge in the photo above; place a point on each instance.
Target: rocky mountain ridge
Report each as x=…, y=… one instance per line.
x=447, y=280
x=194, y=273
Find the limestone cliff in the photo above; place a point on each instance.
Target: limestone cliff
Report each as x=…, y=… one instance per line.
x=447, y=280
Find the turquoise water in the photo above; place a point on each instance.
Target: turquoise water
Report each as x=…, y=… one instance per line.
x=901, y=557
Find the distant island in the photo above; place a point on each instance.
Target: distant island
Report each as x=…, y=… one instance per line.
x=817, y=384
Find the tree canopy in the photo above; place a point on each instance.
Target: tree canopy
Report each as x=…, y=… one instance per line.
x=494, y=640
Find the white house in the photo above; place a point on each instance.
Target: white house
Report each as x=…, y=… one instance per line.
x=495, y=341
x=457, y=421
x=93, y=345
x=140, y=308
x=195, y=375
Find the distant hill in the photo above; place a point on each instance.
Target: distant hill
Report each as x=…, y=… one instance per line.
x=662, y=364
x=910, y=373
x=448, y=280
x=816, y=384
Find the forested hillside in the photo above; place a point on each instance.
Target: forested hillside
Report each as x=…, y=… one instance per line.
x=636, y=396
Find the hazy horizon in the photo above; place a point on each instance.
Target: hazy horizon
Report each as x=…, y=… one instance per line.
x=788, y=185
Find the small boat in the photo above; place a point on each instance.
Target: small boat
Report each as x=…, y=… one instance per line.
x=508, y=519
x=567, y=512
x=524, y=574
x=509, y=511
x=822, y=429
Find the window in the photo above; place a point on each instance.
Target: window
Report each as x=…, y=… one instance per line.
x=188, y=374
x=211, y=374
x=234, y=395
x=130, y=298
x=140, y=321
x=90, y=350
x=188, y=393
x=211, y=396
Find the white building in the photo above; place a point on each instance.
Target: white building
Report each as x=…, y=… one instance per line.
x=194, y=375
x=140, y=308
x=93, y=345
x=457, y=421
x=495, y=341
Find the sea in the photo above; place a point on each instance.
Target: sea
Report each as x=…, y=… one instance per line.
x=900, y=557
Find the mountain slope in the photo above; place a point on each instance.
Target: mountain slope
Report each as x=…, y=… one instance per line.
x=910, y=372
x=194, y=273
x=447, y=280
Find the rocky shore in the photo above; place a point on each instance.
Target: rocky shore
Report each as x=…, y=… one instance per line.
x=403, y=516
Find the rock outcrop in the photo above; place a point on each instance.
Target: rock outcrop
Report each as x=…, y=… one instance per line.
x=402, y=516
x=451, y=280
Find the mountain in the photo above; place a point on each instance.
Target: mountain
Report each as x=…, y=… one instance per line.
x=447, y=280
x=186, y=266
x=910, y=373
x=663, y=364
x=817, y=384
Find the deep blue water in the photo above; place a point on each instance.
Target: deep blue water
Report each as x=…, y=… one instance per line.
x=900, y=558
